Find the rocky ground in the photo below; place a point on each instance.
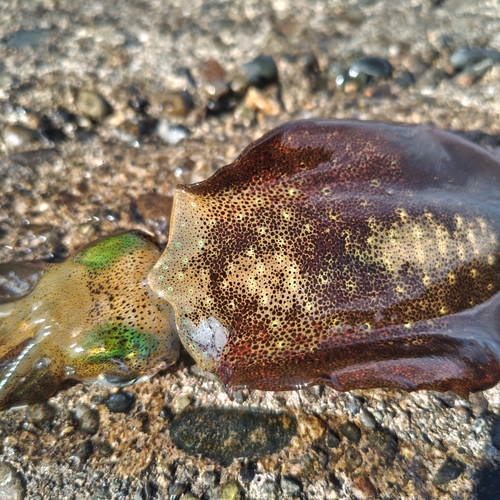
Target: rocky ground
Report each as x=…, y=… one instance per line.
x=104, y=107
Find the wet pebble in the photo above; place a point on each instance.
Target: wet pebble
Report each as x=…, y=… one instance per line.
x=171, y=134
x=351, y=431
x=462, y=58
x=19, y=135
x=83, y=451
x=42, y=414
x=370, y=66
x=182, y=403
x=28, y=38
x=12, y=483
x=385, y=443
x=264, y=102
x=92, y=105
x=474, y=73
x=88, y=418
x=106, y=449
x=226, y=433
x=449, y=471
x=332, y=439
x=120, y=402
x=367, y=419
x=261, y=71
x=178, y=103
x=290, y=486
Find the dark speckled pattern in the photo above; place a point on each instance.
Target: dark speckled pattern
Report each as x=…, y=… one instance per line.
x=349, y=253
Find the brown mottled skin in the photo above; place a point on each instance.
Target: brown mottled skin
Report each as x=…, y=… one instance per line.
x=353, y=254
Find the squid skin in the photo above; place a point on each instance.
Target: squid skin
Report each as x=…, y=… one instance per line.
x=352, y=254
x=92, y=317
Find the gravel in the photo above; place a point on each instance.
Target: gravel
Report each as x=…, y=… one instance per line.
x=94, y=102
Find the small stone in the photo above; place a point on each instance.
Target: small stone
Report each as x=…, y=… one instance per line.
x=88, y=419
x=385, y=443
x=463, y=414
x=230, y=491
x=291, y=486
x=462, y=58
x=332, y=439
x=28, y=38
x=261, y=72
x=120, y=402
x=178, y=103
x=42, y=414
x=370, y=66
x=495, y=433
x=368, y=420
x=171, y=134
x=106, y=449
x=92, y=105
x=351, y=431
x=12, y=483
x=83, y=451
x=472, y=74
x=449, y=471
x=353, y=459
x=176, y=490
x=19, y=135
x=311, y=428
x=182, y=403
x=479, y=404
x=226, y=433
x=363, y=488
x=258, y=100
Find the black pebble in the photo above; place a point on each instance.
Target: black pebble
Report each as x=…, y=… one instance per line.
x=120, y=402
x=450, y=470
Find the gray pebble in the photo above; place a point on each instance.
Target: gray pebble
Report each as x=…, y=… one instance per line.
x=12, y=483
x=120, y=402
x=19, y=135
x=367, y=419
x=332, y=440
x=468, y=57
x=450, y=470
x=351, y=431
x=261, y=71
x=92, y=104
x=290, y=486
x=83, y=451
x=171, y=134
x=28, y=38
x=371, y=66
x=88, y=418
